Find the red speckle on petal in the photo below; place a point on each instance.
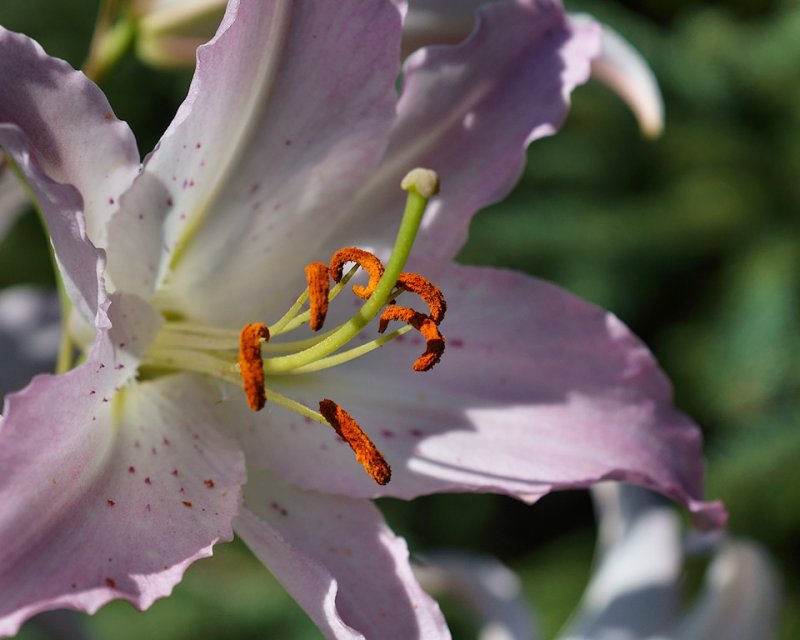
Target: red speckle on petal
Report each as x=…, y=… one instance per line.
x=416, y=433
x=186, y=503
x=131, y=469
x=111, y=201
x=165, y=441
x=279, y=508
x=455, y=342
x=111, y=583
x=174, y=472
x=110, y=502
x=147, y=480
x=209, y=483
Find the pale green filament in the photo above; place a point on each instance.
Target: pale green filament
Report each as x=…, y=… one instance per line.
x=291, y=320
x=184, y=346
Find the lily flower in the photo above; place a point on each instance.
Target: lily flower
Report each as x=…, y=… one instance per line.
x=190, y=413
x=635, y=590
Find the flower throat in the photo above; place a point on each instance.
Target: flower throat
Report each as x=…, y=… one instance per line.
x=252, y=356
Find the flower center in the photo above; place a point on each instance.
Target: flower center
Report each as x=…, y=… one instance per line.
x=252, y=356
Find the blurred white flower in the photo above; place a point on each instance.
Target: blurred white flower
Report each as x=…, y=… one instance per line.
x=634, y=593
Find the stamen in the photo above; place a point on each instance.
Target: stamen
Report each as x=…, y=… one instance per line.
x=416, y=204
x=251, y=365
x=367, y=454
x=364, y=259
x=318, y=288
x=426, y=290
x=434, y=341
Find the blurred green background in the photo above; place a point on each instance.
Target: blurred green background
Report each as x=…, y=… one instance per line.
x=693, y=240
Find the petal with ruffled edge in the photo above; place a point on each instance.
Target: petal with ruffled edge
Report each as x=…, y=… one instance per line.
x=70, y=127
x=468, y=112
x=289, y=110
x=537, y=390
x=339, y=560
x=109, y=491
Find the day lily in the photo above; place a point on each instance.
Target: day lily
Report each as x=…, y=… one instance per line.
x=290, y=146
x=635, y=589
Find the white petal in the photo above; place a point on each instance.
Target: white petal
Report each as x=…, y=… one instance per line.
x=623, y=70
x=633, y=592
x=740, y=598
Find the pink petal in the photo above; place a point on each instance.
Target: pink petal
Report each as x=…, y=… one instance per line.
x=288, y=112
x=537, y=391
x=468, y=112
x=339, y=560
x=69, y=124
x=61, y=133
x=110, y=488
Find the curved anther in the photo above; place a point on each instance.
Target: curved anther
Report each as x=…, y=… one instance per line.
x=369, y=262
x=367, y=454
x=429, y=292
x=318, y=289
x=251, y=366
x=434, y=340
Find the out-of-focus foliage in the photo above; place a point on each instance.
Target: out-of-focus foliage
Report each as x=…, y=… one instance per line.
x=693, y=240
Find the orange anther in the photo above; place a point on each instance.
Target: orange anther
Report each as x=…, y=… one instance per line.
x=364, y=259
x=318, y=283
x=434, y=340
x=250, y=364
x=367, y=454
x=426, y=290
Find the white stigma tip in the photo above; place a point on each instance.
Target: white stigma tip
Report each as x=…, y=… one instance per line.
x=424, y=182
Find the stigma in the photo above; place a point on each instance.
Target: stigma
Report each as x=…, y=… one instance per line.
x=258, y=354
